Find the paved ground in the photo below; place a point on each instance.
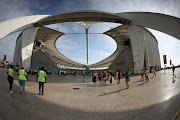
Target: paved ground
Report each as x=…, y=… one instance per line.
x=156, y=100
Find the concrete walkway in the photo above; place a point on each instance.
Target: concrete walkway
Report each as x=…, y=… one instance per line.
x=157, y=99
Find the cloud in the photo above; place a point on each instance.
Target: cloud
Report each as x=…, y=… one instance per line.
x=170, y=7
x=7, y=46
x=65, y=44
x=14, y=8
x=97, y=55
x=8, y=10
x=168, y=46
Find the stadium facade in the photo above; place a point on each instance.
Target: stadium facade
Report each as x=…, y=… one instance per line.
x=137, y=47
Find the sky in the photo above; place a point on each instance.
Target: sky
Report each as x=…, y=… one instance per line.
x=100, y=46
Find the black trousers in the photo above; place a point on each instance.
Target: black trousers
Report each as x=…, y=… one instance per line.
x=10, y=79
x=41, y=84
x=111, y=80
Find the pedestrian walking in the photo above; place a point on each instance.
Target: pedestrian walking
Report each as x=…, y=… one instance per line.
x=119, y=76
x=111, y=77
x=10, y=77
x=99, y=77
x=154, y=73
x=89, y=77
x=127, y=79
x=22, y=78
x=146, y=75
x=173, y=69
x=41, y=77
x=84, y=75
x=94, y=77
x=142, y=74
x=105, y=77
x=58, y=72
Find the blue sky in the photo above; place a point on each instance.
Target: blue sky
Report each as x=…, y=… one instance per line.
x=100, y=46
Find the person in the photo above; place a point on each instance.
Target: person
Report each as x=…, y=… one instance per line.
x=127, y=79
x=99, y=77
x=22, y=78
x=111, y=77
x=58, y=72
x=89, y=77
x=104, y=77
x=142, y=74
x=84, y=75
x=94, y=77
x=119, y=76
x=17, y=68
x=136, y=72
x=146, y=75
x=173, y=69
x=10, y=77
x=154, y=73
x=41, y=77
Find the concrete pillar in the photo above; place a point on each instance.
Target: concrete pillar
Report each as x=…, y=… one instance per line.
x=28, y=38
x=138, y=48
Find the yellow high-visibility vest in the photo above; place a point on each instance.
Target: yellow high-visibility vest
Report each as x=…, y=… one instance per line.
x=10, y=72
x=22, y=75
x=41, y=76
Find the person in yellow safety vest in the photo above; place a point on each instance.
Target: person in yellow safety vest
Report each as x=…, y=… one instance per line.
x=146, y=75
x=10, y=78
x=111, y=77
x=17, y=69
x=34, y=71
x=22, y=78
x=42, y=79
x=27, y=70
x=142, y=74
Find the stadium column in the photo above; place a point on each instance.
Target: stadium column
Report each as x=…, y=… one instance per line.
x=28, y=38
x=138, y=46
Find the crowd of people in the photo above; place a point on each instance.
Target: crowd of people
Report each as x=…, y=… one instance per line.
x=101, y=77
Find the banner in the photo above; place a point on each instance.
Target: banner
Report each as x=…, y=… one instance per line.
x=164, y=57
x=4, y=60
x=170, y=62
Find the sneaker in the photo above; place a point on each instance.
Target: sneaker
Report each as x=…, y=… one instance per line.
x=11, y=92
x=39, y=93
x=42, y=94
x=20, y=92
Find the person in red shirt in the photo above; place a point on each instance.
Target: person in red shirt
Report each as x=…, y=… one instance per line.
x=99, y=76
x=119, y=76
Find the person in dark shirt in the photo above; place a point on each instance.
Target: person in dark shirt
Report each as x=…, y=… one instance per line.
x=173, y=69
